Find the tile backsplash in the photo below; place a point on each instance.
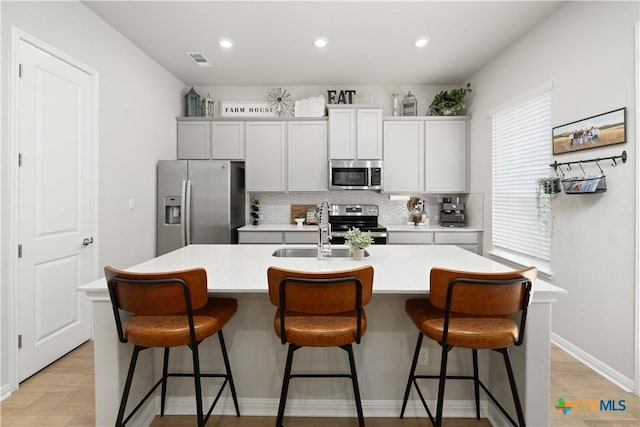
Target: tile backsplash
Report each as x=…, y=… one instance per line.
x=276, y=207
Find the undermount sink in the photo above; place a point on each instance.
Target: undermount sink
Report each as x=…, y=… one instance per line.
x=312, y=253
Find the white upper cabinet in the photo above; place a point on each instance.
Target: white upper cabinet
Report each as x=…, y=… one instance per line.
x=404, y=156
x=265, y=161
x=307, y=162
x=227, y=140
x=428, y=155
x=206, y=139
x=446, y=154
x=194, y=140
x=355, y=133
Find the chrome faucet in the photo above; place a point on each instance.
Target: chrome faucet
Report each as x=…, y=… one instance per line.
x=324, y=230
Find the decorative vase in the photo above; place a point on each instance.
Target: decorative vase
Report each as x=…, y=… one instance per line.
x=358, y=254
x=299, y=221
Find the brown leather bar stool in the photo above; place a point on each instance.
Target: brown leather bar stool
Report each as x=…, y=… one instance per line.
x=169, y=310
x=320, y=310
x=471, y=310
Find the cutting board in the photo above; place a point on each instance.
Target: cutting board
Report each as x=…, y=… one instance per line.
x=308, y=211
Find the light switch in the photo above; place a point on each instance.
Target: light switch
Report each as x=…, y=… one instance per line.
x=132, y=203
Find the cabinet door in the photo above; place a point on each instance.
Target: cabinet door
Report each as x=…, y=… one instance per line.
x=342, y=134
x=227, y=140
x=265, y=156
x=404, y=156
x=194, y=140
x=446, y=161
x=307, y=163
x=369, y=134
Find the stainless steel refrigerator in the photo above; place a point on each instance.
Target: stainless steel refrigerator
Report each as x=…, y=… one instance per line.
x=199, y=201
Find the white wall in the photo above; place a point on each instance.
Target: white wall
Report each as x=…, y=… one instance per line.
x=138, y=103
x=587, y=50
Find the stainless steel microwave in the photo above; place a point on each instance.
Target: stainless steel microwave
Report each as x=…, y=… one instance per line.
x=355, y=175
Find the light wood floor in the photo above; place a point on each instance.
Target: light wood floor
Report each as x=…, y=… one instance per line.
x=62, y=395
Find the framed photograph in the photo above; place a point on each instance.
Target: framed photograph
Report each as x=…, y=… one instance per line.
x=592, y=132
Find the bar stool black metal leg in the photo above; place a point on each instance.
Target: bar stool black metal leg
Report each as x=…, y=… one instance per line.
x=354, y=380
x=443, y=377
x=412, y=372
x=225, y=357
x=127, y=385
x=476, y=382
x=514, y=388
x=165, y=370
x=197, y=383
x=285, y=384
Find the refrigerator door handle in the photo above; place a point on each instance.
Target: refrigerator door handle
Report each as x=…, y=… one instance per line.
x=188, y=213
x=183, y=213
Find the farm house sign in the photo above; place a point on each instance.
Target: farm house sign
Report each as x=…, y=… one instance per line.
x=246, y=109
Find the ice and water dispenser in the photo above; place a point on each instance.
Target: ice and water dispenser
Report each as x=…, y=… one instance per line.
x=172, y=212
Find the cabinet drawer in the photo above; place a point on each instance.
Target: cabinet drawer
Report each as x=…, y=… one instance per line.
x=456, y=238
x=260, y=237
x=410, y=238
x=300, y=237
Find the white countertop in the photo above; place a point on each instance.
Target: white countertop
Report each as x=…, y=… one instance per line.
x=399, y=269
x=278, y=227
x=395, y=227
x=430, y=227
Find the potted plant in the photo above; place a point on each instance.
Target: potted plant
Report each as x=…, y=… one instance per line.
x=299, y=219
x=449, y=103
x=549, y=185
x=357, y=240
x=546, y=187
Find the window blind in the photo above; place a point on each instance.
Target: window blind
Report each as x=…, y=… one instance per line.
x=521, y=154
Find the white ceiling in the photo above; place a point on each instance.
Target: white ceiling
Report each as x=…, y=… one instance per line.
x=370, y=42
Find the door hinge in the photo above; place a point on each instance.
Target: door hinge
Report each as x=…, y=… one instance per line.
x=20, y=251
x=19, y=159
x=20, y=341
x=20, y=70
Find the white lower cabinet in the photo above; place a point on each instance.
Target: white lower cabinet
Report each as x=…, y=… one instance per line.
x=277, y=237
x=469, y=240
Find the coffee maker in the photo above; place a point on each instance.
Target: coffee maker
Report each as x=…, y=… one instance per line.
x=452, y=214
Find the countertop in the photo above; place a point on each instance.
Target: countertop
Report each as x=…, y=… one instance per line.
x=396, y=227
x=399, y=269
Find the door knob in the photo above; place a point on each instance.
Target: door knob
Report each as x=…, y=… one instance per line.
x=87, y=241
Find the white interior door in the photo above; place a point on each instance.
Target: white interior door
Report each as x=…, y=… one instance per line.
x=55, y=183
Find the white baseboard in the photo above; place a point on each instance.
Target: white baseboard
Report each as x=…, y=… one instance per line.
x=324, y=407
x=5, y=391
x=496, y=417
x=622, y=381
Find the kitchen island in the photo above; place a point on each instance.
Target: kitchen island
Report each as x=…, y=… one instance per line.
x=382, y=359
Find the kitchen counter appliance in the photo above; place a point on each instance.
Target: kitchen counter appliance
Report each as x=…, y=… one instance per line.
x=452, y=214
x=199, y=201
x=355, y=175
x=365, y=217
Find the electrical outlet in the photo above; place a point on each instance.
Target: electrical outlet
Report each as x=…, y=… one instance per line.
x=423, y=356
x=386, y=218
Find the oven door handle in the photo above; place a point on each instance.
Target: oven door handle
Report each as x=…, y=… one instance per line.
x=374, y=234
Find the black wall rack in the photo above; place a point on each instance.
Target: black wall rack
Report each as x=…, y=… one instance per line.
x=555, y=165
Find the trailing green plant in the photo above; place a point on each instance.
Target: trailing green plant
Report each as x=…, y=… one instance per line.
x=449, y=103
x=357, y=239
x=546, y=187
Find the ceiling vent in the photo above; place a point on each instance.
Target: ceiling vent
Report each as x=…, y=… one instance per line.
x=199, y=59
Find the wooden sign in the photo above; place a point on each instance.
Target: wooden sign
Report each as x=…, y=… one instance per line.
x=246, y=109
x=343, y=97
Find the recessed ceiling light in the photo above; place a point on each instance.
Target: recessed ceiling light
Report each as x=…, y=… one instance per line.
x=421, y=42
x=225, y=43
x=320, y=42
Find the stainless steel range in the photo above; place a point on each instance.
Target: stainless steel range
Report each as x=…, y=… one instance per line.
x=365, y=217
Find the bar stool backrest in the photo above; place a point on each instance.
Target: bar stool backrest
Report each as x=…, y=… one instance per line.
x=157, y=293
x=305, y=294
x=482, y=294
